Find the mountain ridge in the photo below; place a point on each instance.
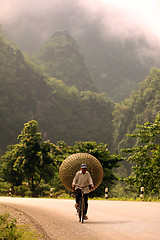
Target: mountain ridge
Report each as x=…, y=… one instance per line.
x=63, y=112
x=61, y=59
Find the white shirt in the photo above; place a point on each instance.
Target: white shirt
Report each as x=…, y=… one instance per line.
x=82, y=180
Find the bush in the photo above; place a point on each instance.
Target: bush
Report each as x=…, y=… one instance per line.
x=8, y=229
x=4, y=188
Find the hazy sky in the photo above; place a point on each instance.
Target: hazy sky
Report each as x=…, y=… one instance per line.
x=127, y=15
x=41, y=18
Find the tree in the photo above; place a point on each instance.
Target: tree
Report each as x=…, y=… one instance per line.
x=100, y=151
x=146, y=157
x=11, y=174
x=30, y=159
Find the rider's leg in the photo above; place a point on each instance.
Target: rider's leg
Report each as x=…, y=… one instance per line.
x=78, y=195
x=86, y=203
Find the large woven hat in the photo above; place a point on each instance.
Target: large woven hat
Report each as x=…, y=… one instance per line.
x=72, y=164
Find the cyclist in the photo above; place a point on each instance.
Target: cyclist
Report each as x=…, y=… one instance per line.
x=82, y=179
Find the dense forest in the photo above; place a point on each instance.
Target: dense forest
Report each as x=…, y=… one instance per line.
x=142, y=106
x=63, y=112
x=56, y=90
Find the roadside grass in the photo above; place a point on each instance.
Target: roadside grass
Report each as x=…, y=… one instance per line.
x=138, y=199
x=64, y=195
x=27, y=234
x=9, y=230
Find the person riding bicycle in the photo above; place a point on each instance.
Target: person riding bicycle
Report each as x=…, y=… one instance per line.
x=82, y=179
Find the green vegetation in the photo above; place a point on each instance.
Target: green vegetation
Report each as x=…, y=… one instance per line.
x=21, y=89
x=63, y=112
x=108, y=161
x=10, y=230
x=146, y=158
x=32, y=163
x=61, y=59
x=142, y=106
x=77, y=121
x=29, y=160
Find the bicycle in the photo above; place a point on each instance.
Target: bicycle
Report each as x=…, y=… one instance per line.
x=81, y=206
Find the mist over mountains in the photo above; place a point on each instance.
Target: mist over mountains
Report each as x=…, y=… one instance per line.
x=119, y=43
x=38, y=20
x=86, y=71
x=68, y=111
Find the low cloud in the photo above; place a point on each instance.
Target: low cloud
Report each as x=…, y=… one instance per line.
x=37, y=20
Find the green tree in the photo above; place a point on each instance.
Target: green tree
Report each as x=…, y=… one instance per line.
x=146, y=157
x=100, y=151
x=31, y=159
x=11, y=174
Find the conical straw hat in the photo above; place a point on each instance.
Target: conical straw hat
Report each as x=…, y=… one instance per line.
x=72, y=164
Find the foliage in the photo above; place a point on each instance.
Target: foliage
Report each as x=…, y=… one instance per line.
x=63, y=113
x=4, y=187
x=30, y=159
x=84, y=116
x=100, y=151
x=33, y=162
x=146, y=157
x=10, y=230
x=61, y=58
x=108, y=161
x=20, y=92
x=142, y=106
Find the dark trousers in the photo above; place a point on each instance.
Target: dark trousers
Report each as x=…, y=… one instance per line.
x=78, y=197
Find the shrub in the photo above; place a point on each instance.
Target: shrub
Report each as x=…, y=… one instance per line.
x=8, y=229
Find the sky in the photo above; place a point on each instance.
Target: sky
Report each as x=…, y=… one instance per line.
x=120, y=18
x=128, y=15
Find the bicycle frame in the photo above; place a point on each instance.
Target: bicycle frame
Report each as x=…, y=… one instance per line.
x=81, y=208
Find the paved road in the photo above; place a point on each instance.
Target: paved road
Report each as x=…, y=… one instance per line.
x=108, y=220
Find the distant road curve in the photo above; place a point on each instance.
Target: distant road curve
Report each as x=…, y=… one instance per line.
x=108, y=220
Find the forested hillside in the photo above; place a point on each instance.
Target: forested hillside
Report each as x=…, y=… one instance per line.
x=61, y=59
x=63, y=112
x=117, y=66
x=22, y=93
x=112, y=65
x=68, y=117
x=91, y=83
x=142, y=106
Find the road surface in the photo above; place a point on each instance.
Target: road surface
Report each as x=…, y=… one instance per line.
x=108, y=220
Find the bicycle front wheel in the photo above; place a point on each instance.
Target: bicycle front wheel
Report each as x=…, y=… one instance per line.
x=82, y=210
x=79, y=210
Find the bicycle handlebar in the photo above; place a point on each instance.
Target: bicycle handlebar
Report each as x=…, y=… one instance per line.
x=81, y=186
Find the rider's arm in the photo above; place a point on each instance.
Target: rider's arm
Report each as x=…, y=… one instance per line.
x=90, y=180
